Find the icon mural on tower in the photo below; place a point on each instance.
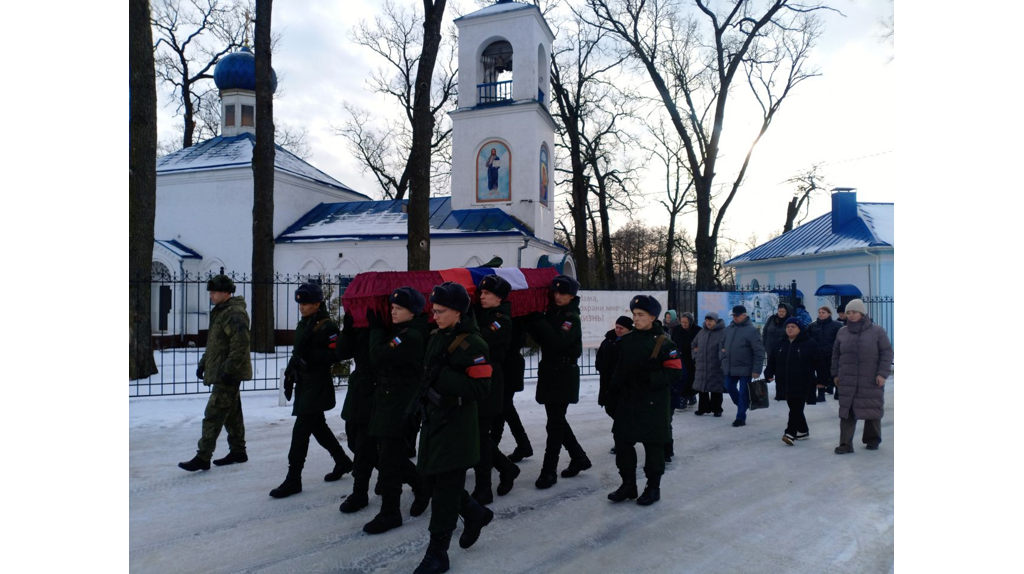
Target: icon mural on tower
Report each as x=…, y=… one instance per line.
x=544, y=174
x=493, y=172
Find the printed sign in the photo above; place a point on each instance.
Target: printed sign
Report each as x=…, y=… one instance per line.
x=600, y=309
x=759, y=306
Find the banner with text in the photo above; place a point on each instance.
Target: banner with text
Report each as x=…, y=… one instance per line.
x=600, y=309
x=759, y=306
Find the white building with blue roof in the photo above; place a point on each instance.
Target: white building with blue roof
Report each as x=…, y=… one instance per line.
x=853, y=244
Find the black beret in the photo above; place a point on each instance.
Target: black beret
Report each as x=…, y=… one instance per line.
x=565, y=285
x=451, y=295
x=625, y=322
x=309, y=292
x=646, y=303
x=409, y=298
x=221, y=283
x=496, y=285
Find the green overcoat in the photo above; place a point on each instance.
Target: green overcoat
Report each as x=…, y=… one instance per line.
x=355, y=344
x=642, y=386
x=560, y=336
x=227, y=345
x=397, y=353
x=315, y=389
x=495, y=326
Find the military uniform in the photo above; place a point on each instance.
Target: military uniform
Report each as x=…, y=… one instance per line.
x=354, y=343
x=512, y=367
x=225, y=364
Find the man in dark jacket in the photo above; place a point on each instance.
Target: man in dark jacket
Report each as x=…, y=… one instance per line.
x=224, y=365
x=397, y=353
x=823, y=332
x=560, y=335
x=772, y=334
x=308, y=375
x=494, y=322
x=794, y=362
x=607, y=358
x=742, y=359
x=457, y=378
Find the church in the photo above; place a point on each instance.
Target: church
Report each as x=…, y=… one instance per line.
x=502, y=189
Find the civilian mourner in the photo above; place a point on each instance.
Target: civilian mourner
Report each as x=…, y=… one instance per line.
x=224, y=365
x=494, y=321
x=648, y=362
x=861, y=362
x=742, y=360
x=397, y=354
x=456, y=378
x=793, y=363
x=709, y=379
x=824, y=332
x=607, y=358
x=683, y=338
x=773, y=332
x=308, y=376
x=560, y=336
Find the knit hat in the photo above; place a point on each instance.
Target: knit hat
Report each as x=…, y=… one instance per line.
x=221, y=283
x=565, y=285
x=646, y=303
x=792, y=321
x=625, y=322
x=409, y=298
x=309, y=292
x=496, y=285
x=451, y=295
x=858, y=306
x=739, y=310
x=712, y=315
x=672, y=315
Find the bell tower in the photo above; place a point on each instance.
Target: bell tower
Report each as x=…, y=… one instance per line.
x=502, y=132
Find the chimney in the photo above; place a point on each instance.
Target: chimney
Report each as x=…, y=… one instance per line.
x=844, y=207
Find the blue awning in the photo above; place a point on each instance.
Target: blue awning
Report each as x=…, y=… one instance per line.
x=843, y=290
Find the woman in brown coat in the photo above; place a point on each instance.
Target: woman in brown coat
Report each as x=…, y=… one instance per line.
x=861, y=362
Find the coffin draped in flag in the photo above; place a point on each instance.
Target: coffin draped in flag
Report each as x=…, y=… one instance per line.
x=530, y=288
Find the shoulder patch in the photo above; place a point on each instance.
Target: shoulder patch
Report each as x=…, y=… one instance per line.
x=567, y=326
x=479, y=359
x=495, y=325
x=394, y=342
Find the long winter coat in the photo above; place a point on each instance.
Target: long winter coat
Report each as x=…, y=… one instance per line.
x=824, y=334
x=397, y=354
x=706, y=351
x=742, y=350
x=794, y=364
x=355, y=344
x=774, y=329
x=641, y=387
x=607, y=358
x=560, y=336
x=495, y=325
x=684, y=342
x=513, y=367
x=315, y=389
x=862, y=352
x=450, y=436
x=227, y=345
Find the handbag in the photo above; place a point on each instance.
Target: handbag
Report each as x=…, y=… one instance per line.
x=758, y=394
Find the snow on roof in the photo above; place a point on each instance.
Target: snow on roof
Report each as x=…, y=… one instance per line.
x=873, y=227
x=177, y=249
x=359, y=220
x=224, y=152
x=497, y=8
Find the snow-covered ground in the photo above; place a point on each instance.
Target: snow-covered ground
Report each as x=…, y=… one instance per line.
x=733, y=500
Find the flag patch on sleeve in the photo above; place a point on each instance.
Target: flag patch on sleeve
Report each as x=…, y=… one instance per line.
x=566, y=326
x=479, y=360
x=395, y=342
x=334, y=337
x=495, y=326
x=673, y=353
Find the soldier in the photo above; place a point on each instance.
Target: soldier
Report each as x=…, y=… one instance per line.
x=397, y=353
x=457, y=377
x=494, y=321
x=355, y=344
x=607, y=358
x=308, y=375
x=225, y=364
x=648, y=362
x=512, y=369
x=559, y=333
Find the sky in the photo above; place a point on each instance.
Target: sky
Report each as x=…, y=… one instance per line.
x=844, y=118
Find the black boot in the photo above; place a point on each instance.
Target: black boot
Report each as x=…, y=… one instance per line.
x=669, y=451
x=390, y=516
x=195, y=464
x=652, y=492
x=355, y=501
x=520, y=453
x=420, y=501
x=576, y=465
x=292, y=484
x=626, y=491
x=506, y=479
x=546, y=480
x=436, y=559
x=482, y=494
x=232, y=458
x=475, y=518
x=342, y=466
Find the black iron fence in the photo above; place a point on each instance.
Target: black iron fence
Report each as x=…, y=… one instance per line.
x=682, y=295
x=880, y=309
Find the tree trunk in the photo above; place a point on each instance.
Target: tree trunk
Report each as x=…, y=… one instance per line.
x=418, y=247
x=791, y=212
x=141, y=188
x=188, y=111
x=262, y=310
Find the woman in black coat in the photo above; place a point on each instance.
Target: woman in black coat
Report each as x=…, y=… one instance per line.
x=687, y=332
x=823, y=332
x=795, y=360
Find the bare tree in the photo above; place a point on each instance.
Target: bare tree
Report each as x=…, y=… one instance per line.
x=704, y=53
x=193, y=35
x=141, y=188
x=263, y=189
x=808, y=182
x=384, y=145
x=294, y=140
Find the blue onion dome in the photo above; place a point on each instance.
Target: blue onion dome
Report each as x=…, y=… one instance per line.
x=237, y=71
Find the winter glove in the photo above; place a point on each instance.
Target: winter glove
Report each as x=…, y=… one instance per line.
x=347, y=321
x=374, y=320
x=289, y=384
x=199, y=372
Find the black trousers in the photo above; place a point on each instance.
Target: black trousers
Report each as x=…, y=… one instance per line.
x=625, y=459
x=316, y=425
x=709, y=403
x=393, y=467
x=797, y=421
x=364, y=455
x=559, y=434
x=490, y=457
x=448, y=498
x=509, y=415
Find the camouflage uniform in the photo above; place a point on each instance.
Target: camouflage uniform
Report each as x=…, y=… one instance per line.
x=225, y=364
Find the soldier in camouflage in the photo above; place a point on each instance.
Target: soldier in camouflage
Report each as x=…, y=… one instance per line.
x=224, y=366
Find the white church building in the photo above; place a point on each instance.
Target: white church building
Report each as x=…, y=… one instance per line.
x=502, y=196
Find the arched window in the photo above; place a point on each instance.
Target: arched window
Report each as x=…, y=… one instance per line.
x=542, y=75
x=497, y=74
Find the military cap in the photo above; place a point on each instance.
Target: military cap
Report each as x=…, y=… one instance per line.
x=496, y=285
x=565, y=285
x=646, y=303
x=409, y=298
x=451, y=295
x=221, y=283
x=309, y=292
